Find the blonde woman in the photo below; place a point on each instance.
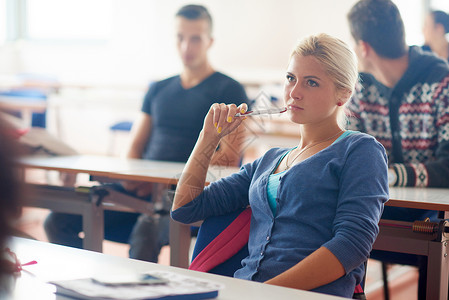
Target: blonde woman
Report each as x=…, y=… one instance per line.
x=316, y=206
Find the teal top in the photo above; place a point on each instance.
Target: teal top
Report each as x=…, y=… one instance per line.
x=273, y=180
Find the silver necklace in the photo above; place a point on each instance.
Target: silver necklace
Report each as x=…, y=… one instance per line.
x=306, y=148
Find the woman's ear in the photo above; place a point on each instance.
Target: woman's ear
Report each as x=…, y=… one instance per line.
x=343, y=96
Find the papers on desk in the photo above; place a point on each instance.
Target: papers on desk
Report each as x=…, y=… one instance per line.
x=178, y=287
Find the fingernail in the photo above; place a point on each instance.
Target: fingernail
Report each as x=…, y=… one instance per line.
x=219, y=130
x=229, y=119
x=215, y=124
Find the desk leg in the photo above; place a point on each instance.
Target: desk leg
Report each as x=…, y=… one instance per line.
x=179, y=244
x=437, y=271
x=27, y=116
x=66, y=200
x=93, y=227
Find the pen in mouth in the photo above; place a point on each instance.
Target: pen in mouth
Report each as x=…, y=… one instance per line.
x=270, y=111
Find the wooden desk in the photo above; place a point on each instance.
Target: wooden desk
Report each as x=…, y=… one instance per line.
x=120, y=168
x=399, y=236
x=56, y=262
x=67, y=200
x=396, y=239
x=421, y=198
x=27, y=106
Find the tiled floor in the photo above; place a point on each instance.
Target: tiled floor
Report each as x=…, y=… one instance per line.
x=403, y=282
x=403, y=279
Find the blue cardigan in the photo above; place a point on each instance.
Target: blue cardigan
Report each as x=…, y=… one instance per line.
x=332, y=199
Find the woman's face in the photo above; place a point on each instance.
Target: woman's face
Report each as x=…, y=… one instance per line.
x=309, y=93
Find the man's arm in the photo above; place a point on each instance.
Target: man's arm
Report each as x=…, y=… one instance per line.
x=433, y=171
x=140, y=134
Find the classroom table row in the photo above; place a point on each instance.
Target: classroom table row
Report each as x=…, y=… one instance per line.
x=423, y=239
x=26, y=106
x=55, y=263
x=88, y=204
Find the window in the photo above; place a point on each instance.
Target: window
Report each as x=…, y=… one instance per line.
x=412, y=13
x=3, y=21
x=68, y=20
x=440, y=5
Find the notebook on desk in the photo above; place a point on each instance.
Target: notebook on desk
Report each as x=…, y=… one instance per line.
x=176, y=287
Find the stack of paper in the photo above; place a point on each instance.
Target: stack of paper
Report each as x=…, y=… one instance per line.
x=178, y=287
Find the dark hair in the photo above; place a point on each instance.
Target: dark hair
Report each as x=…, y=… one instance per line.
x=440, y=17
x=195, y=12
x=379, y=23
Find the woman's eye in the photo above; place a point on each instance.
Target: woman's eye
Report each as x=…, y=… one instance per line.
x=290, y=78
x=312, y=83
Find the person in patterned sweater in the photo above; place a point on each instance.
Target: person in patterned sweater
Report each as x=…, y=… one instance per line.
x=403, y=97
x=403, y=101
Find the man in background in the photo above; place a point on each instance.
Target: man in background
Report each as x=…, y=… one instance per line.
x=435, y=29
x=167, y=129
x=403, y=102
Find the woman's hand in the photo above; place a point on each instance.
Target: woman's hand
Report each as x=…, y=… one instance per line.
x=221, y=119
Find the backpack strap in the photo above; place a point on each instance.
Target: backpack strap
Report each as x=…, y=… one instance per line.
x=225, y=245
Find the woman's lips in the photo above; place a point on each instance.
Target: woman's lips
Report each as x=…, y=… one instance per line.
x=294, y=107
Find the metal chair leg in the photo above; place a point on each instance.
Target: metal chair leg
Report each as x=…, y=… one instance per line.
x=385, y=280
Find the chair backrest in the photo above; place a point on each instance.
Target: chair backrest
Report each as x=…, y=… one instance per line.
x=121, y=126
x=38, y=119
x=222, y=243
x=115, y=146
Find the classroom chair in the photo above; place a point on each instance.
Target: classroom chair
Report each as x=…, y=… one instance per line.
x=38, y=119
x=123, y=126
x=222, y=243
x=421, y=264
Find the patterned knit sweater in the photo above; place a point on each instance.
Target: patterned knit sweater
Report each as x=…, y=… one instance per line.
x=411, y=120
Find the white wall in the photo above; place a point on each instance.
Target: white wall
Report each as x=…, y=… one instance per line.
x=253, y=41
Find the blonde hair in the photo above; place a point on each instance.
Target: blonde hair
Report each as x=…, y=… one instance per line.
x=337, y=58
